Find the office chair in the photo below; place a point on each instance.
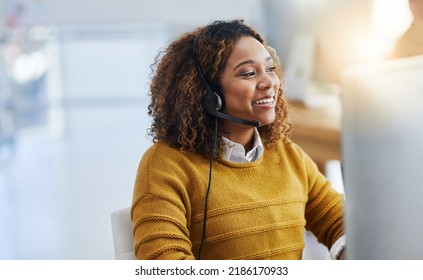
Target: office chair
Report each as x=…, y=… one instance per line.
x=123, y=239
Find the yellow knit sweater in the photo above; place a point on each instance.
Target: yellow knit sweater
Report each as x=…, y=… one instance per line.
x=256, y=210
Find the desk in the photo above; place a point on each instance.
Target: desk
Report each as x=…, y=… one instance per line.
x=317, y=131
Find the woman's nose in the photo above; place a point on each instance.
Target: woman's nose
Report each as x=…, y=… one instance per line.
x=266, y=81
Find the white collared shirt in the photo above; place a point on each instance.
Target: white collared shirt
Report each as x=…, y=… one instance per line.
x=235, y=152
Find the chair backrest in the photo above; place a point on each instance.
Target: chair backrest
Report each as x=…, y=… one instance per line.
x=123, y=239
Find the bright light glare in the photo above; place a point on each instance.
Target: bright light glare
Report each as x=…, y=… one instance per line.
x=29, y=67
x=390, y=18
x=373, y=49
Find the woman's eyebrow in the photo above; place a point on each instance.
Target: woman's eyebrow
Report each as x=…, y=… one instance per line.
x=250, y=61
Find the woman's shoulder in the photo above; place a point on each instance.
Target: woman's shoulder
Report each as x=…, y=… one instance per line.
x=291, y=153
x=290, y=148
x=160, y=151
x=163, y=152
x=159, y=148
x=294, y=153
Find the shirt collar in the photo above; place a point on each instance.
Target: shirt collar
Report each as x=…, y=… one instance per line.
x=235, y=152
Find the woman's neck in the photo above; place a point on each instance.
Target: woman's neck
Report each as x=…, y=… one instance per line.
x=240, y=134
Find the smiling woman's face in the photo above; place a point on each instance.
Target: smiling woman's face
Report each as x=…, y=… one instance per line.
x=249, y=84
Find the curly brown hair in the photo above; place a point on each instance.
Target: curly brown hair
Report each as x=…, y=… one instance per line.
x=176, y=90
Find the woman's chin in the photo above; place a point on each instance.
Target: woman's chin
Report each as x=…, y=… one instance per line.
x=266, y=121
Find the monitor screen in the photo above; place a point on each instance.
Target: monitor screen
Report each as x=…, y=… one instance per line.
x=382, y=159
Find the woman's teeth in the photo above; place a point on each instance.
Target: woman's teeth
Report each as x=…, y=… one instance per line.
x=264, y=101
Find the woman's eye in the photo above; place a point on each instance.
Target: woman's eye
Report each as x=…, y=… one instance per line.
x=249, y=74
x=271, y=69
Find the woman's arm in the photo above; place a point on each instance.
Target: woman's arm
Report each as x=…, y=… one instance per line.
x=160, y=210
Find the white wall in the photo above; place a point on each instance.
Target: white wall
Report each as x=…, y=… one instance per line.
x=335, y=23
x=67, y=12
x=2, y=14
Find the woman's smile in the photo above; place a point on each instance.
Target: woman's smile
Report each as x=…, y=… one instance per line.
x=266, y=102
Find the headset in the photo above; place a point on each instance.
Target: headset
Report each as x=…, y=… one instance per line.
x=213, y=104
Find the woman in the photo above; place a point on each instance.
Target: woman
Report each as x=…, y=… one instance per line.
x=213, y=185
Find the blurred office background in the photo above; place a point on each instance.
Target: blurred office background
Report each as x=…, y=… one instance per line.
x=74, y=96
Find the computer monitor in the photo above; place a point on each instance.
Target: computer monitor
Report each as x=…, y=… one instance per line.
x=382, y=159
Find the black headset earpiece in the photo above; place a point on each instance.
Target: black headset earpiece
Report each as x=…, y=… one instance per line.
x=212, y=102
x=218, y=104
